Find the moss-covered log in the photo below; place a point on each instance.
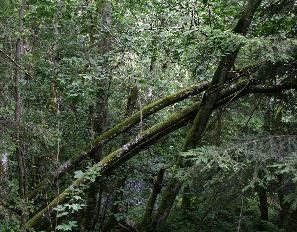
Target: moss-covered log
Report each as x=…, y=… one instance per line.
x=92, y=147
x=119, y=156
x=126, y=124
x=142, y=141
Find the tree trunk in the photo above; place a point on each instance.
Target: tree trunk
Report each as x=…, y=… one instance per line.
x=263, y=203
x=284, y=206
x=146, y=139
x=157, y=186
x=118, y=157
x=91, y=213
x=208, y=102
x=120, y=182
x=91, y=149
x=20, y=156
x=3, y=175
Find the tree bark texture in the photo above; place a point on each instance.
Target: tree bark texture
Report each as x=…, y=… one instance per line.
x=263, y=203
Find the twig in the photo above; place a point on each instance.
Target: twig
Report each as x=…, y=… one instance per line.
x=240, y=215
x=19, y=66
x=141, y=115
x=252, y=114
x=16, y=64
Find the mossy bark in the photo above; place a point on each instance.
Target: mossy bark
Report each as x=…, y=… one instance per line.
x=157, y=186
x=119, y=156
x=92, y=147
x=167, y=201
x=229, y=95
x=142, y=141
x=227, y=62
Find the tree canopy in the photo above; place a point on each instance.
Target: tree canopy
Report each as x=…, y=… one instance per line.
x=148, y=115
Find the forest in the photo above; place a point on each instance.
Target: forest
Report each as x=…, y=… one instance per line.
x=148, y=115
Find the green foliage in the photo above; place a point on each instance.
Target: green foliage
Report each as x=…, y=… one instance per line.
x=219, y=219
x=161, y=47
x=70, y=226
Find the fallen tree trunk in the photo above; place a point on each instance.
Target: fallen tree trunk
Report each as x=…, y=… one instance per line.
x=92, y=147
x=147, y=138
x=119, y=156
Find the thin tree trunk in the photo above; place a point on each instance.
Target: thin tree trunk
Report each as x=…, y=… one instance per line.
x=263, y=203
x=120, y=182
x=20, y=156
x=284, y=206
x=156, y=190
x=91, y=215
x=215, y=140
x=3, y=175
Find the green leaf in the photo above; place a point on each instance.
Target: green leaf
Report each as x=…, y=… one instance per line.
x=78, y=174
